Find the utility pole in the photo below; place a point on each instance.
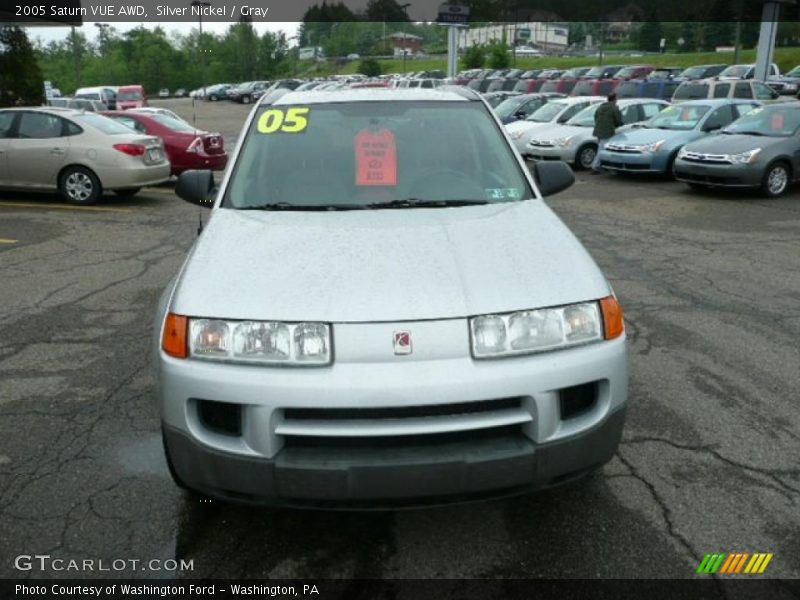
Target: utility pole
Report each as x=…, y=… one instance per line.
x=405, y=49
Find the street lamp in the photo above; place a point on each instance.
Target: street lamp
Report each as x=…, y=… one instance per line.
x=201, y=4
x=404, y=7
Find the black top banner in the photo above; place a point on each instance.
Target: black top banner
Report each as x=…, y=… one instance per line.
x=75, y=12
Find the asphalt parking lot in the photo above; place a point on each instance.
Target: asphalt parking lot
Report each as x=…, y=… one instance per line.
x=710, y=283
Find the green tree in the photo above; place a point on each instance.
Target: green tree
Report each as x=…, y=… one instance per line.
x=499, y=57
x=369, y=67
x=385, y=10
x=21, y=79
x=474, y=57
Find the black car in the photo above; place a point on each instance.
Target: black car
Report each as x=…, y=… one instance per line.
x=700, y=72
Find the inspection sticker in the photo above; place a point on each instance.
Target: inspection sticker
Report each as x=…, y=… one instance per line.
x=376, y=157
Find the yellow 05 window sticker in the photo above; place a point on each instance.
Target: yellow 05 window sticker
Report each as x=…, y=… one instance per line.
x=291, y=120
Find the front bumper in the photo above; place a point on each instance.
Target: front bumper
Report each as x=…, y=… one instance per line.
x=722, y=175
x=633, y=163
x=393, y=477
x=429, y=449
x=567, y=154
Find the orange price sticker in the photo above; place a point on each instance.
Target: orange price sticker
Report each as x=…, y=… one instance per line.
x=376, y=157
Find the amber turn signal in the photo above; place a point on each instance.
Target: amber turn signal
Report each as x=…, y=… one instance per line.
x=612, y=317
x=173, y=340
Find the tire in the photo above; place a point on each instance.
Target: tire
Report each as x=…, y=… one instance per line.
x=79, y=185
x=776, y=180
x=128, y=192
x=213, y=98
x=245, y=99
x=584, y=158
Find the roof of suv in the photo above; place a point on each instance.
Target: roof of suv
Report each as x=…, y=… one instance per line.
x=375, y=94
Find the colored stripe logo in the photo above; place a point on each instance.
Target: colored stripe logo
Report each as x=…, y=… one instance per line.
x=734, y=563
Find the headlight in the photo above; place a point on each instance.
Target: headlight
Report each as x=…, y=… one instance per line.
x=564, y=142
x=745, y=158
x=515, y=135
x=682, y=152
x=529, y=331
x=654, y=147
x=262, y=342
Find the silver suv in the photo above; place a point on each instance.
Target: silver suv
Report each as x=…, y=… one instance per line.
x=382, y=309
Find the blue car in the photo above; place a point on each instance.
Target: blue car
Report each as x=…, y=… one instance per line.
x=651, y=147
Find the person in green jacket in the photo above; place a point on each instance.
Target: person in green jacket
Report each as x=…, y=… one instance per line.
x=606, y=120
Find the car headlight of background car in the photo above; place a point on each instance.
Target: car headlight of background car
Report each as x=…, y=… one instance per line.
x=516, y=134
x=258, y=342
x=654, y=147
x=563, y=142
x=745, y=158
x=539, y=330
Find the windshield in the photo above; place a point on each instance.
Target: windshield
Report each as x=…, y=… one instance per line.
x=104, y=124
x=174, y=124
x=574, y=72
x=774, y=121
x=794, y=72
x=361, y=154
x=509, y=106
x=89, y=95
x=627, y=72
x=547, y=113
x=629, y=89
x=691, y=91
x=584, y=118
x=679, y=117
x=693, y=72
x=736, y=71
x=129, y=96
x=549, y=86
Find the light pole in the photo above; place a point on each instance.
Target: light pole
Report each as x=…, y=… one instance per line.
x=405, y=49
x=201, y=4
x=75, y=58
x=103, y=27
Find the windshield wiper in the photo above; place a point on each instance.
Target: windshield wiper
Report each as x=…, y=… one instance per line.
x=288, y=206
x=420, y=203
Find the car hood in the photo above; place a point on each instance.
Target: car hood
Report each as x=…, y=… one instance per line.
x=385, y=265
x=554, y=132
x=649, y=136
x=525, y=125
x=733, y=144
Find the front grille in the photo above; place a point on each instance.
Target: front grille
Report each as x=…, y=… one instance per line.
x=401, y=442
x=402, y=412
x=709, y=179
x=372, y=425
x=622, y=149
x=612, y=164
x=699, y=157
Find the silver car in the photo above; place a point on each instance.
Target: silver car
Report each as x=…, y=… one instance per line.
x=574, y=141
x=81, y=154
x=554, y=112
x=381, y=309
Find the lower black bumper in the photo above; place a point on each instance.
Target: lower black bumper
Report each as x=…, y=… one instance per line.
x=364, y=478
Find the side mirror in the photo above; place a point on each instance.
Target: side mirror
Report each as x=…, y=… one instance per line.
x=712, y=127
x=195, y=186
x=552, y=177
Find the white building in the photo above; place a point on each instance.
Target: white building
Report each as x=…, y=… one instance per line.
x=543, y=35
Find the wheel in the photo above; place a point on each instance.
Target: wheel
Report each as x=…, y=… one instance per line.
x=79, y=185
x=213, y=98
x=586, y=156
x=245, y=99
x=127, y=192
x=776, y=180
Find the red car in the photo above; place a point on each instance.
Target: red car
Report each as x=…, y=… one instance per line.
x=186, y=146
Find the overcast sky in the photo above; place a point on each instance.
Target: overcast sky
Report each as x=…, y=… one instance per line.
x=47, y=34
